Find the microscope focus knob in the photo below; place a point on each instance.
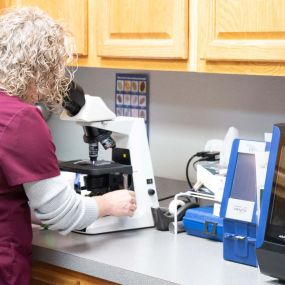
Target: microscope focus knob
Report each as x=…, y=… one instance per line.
x=151, y=192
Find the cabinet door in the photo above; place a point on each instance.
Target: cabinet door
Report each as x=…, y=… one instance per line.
x=242, y=30
x=142, y=29
x=43, y=276
x=73, y=13
x=46, y=274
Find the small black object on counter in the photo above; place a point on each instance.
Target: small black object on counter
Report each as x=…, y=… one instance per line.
x=162, y=217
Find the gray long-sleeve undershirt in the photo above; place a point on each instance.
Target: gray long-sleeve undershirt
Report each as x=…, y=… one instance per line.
x=58, y=206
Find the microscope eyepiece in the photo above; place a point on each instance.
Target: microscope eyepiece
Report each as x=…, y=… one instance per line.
x=75, y=99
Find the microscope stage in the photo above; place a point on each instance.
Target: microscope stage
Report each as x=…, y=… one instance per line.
x=98, y=168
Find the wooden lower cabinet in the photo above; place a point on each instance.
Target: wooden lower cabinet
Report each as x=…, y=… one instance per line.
x=46, y=274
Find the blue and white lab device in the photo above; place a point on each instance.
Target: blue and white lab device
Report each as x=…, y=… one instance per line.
x=270, y=243
x=239, y=205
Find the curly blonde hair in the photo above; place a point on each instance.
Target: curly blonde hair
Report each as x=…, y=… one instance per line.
x=34, y=52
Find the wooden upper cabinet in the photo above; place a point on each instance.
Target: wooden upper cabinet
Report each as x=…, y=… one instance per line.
x=245, y=31
x=142, y=29
x=73, y=13
x=220, y=36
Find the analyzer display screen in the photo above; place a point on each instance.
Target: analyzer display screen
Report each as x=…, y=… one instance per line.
x=244, y=182
x=275, y=230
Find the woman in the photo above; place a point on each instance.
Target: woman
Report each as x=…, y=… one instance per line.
x=34, y=51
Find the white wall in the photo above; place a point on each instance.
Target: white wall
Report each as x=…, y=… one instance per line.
x=186, y=110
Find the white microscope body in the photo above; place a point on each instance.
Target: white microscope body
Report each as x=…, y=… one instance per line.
x=128, y=133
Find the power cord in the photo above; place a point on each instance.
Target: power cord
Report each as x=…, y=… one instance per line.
x=166, y=198
x=204, y=156
x=171, y=197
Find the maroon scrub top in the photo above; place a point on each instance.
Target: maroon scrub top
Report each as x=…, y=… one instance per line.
x=27, y=154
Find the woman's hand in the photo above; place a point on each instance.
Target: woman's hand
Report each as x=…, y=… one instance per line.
x=117, y=203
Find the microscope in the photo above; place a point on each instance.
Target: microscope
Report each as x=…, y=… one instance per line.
x=124, y=142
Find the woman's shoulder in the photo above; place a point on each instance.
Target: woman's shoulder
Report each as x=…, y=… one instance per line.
x=14, y=111
x=13, y=105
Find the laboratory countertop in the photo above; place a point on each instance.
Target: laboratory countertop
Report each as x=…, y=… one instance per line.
x=144, y=256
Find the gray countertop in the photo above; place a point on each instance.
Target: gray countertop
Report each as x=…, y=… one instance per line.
x=144, y=256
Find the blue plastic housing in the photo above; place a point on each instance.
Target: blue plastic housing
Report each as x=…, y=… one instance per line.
x=202, y=223
x=240, y=236
x=239, y=242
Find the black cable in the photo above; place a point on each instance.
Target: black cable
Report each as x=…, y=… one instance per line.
x=187, y=170
x=172, y=196
x=205, y=156
x=166, y=198
x=202, y=159
x=199, y=160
